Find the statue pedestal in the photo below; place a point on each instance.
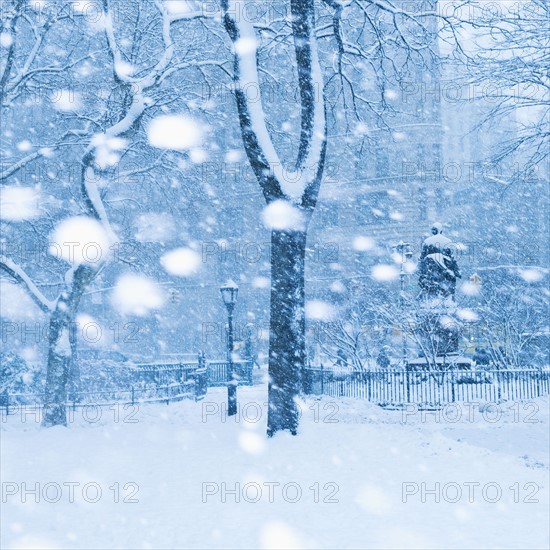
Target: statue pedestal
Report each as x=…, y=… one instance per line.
x=438, y=328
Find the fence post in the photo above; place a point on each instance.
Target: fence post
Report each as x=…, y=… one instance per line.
x=453, y=380
x=200, y=377
x=132, y=394
x=7, y=403
x=204, y=364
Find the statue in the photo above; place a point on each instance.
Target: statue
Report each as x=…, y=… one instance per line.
x=437, y=276
x=438, y=270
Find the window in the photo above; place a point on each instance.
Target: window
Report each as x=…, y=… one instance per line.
x=327, y=215
x=421, y=154
x=382, y=162
x=371, y=208
x=436, y=152
x=422, y=201
x=230, y=222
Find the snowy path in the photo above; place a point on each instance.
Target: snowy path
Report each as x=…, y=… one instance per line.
x=178, y=460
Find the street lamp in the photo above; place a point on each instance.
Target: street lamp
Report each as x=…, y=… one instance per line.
x=229, y=292
x=405, y=250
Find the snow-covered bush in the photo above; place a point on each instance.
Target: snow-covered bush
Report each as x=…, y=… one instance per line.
x=17, y=376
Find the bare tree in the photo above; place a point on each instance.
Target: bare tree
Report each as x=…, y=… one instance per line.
x=104, y=135
x=511, y=323
x=508, y=69
x=297, y=194
x=360, y=333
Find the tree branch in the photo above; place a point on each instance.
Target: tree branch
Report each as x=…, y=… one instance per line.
x=17, y=273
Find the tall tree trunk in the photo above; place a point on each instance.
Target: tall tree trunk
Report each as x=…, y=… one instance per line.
x=59, y=352
x=74, y=366
x=287, y=325
x=58, y=368
x=287, y=329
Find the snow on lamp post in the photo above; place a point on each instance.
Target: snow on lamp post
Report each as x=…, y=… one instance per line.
x=229, y=292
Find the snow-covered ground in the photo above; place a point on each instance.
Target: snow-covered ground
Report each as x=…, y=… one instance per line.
x=369, y=478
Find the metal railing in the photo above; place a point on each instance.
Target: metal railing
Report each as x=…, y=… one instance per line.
x=427, y=388
x=217, y=372
x=132, y=396
x=144, y=383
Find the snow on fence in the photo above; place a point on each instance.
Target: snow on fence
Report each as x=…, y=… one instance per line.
x=10, y=403
x=217, y=372
x=145, y=383
x=428, y=388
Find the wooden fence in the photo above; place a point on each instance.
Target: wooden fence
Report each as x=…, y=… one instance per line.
x=428, y=388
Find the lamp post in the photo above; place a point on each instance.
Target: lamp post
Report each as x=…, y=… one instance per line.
x=405, y=250
x=229, y=292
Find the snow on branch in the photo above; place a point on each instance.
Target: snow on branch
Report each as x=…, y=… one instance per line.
x=10, y=83
x=313, y=139
x=258, y=144
x=265, y=161
x=138, y=86
x=45, y=151
x=16, y=273
x=5, y=173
